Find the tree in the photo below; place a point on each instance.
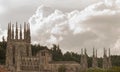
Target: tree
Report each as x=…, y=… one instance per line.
x=56, y=53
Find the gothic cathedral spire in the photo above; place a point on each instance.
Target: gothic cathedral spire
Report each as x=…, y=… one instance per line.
x=16, y=37
x=25, y=31
x=9, y=32
x=12, y=31
x=28, y=33
x=20, y=32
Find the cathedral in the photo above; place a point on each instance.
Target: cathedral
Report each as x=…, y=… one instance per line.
x=19, y=56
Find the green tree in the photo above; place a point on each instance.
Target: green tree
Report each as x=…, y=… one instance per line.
x=56, y=53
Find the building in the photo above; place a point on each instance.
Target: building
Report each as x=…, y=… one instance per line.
x=19, y=55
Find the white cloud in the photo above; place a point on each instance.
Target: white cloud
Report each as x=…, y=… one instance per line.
x=97, y=25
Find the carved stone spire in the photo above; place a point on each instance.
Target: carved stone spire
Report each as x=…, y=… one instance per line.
x=28, y=33
x=16, y=37
x=9, y=32
x=12, y=31
x=25, y=31
x=20, y=32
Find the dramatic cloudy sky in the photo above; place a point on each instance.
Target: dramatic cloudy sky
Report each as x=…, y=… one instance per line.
x=73, y=24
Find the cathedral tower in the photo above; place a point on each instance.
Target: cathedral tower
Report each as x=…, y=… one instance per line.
x=18, y=44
